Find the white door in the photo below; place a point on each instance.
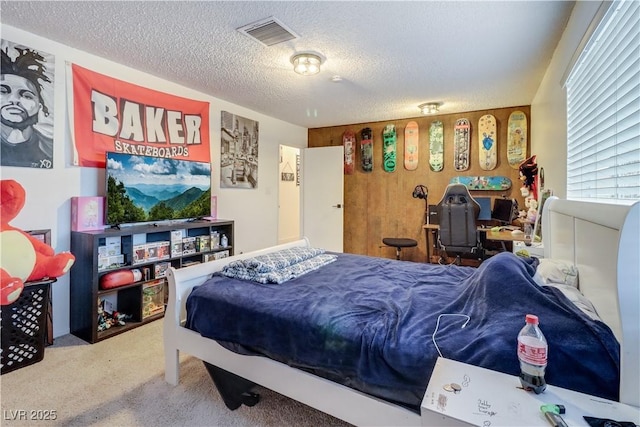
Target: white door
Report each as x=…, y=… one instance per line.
x=322, y=197
x=289, y=196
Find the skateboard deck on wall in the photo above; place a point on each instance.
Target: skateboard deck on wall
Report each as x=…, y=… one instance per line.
x=366, y=149
x=488, y=142
x=411, y=138
x=516, y=139
x=389, y=148
x=488, y=183
x=461, y=144
x=436, y=146
x=349, y=143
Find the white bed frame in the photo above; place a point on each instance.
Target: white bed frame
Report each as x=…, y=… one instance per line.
x=602, y=240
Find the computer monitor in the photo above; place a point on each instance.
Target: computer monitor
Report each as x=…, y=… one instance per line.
x=502, y=210
x=485, y=208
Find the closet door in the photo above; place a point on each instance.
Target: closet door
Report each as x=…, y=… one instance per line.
x=323, y=197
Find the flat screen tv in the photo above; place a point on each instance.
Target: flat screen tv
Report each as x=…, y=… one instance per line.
x=153, y=189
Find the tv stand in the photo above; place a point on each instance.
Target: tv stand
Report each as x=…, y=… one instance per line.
x=148, y=248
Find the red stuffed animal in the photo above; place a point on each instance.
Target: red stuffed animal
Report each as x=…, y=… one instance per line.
x=24, y=258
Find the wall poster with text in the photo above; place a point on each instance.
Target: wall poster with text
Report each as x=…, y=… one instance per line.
x=26, y=109
x=238, y=152
x=116, y=116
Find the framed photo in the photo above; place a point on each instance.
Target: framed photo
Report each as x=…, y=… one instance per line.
x=238, y=152
x=43, y=235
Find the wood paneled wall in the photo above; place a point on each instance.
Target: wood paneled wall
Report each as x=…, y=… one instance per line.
x=380, y=204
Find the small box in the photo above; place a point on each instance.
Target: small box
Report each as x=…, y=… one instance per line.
x=109, y=302
x=87, y=213
x=203, y=243
x=139, y=254
x=102, y=251
x=108, y=241
x=153, y=298
x=176, y=236
x=151, y=251
x=188, y=245
x=161, y=269
x=114, y=249
x=103, y=262
x=164, y=250
x=215, y=239
x=221, y=254
x=176, y=249
x=176, y=243
x=106, y=262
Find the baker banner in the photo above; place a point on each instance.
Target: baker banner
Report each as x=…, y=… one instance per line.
x=113, y=115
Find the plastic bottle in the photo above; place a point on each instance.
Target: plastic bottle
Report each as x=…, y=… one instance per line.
x=224, y=241
x=532, y=353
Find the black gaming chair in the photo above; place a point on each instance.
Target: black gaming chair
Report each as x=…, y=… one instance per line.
x=457, y=213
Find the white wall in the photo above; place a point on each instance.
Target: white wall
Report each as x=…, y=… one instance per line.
x=49, y=190
x=549, y=106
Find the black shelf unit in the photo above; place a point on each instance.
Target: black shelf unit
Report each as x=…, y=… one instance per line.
x=85, y=273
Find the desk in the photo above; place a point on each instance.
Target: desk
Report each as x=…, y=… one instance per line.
x=431, y=231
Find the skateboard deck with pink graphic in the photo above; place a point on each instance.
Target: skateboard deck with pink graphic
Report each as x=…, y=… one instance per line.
x=349, y=143
x=461, y=144
x=487, y=142
x=516, y=139
x=411, y=137
x=436, y=146
x=366, y=149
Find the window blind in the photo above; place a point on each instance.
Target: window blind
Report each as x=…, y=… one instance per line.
x=603, y=110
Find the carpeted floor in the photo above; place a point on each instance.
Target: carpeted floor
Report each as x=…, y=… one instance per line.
x=120, y=382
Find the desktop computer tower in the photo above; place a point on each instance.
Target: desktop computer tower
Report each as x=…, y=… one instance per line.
x=432, y=217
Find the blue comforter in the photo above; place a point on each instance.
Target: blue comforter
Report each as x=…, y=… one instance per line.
x=368, y=322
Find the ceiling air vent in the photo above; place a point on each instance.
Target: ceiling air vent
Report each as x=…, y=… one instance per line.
x=268, y=31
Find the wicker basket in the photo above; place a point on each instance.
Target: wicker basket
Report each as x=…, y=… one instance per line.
x=24, y=327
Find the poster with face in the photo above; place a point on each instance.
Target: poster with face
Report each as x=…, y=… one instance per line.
x=26, y=106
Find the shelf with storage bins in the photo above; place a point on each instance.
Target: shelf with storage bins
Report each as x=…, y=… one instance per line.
x=117, y=281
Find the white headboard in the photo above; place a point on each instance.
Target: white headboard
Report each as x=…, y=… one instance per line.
x=603, y=242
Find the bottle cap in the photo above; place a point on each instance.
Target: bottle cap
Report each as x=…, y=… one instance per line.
x=532, y=318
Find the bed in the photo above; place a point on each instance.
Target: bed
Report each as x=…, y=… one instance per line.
x=601, y=241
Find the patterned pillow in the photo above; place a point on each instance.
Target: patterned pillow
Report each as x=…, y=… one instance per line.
x=558, y=271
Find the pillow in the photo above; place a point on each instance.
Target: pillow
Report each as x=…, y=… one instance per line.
x=579, y=300
x=558, y=272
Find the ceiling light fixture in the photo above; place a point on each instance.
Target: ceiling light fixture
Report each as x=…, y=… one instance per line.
x=306, y=64
x=429, y=108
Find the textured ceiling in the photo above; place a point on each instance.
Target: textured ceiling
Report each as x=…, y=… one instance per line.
x=392, y=56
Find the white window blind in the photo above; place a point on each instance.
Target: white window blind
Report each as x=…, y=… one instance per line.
x=603, y=110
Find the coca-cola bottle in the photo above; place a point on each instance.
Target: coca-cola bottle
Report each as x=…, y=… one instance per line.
x=532, y=353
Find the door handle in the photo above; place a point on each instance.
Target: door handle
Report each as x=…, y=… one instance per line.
x=337, y=206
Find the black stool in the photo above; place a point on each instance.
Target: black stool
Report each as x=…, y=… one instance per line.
x=399, y=243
